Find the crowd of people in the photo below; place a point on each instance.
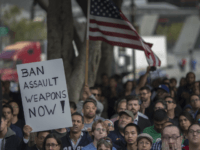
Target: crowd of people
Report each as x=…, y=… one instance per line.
x=143, y=115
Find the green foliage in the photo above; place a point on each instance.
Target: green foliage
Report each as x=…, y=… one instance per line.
x=25, y=30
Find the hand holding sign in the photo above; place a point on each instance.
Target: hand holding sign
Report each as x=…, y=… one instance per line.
x=44, y=95
x=27, y=131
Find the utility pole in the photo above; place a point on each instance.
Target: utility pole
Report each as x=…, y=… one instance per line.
x=133, y=21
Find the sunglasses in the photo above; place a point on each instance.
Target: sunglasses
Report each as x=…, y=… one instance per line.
x=96, y=94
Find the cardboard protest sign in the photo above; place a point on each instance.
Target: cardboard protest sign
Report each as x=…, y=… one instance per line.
x=44, y=95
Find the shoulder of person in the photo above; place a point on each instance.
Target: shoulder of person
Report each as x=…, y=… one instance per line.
x=142, y=115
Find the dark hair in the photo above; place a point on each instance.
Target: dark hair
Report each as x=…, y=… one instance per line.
x=171, y=98
x=173, y=80
x=119, y=102
x=78, y=114
x=72, y=105
x=145, y=88
x=127, y=83
x=133, y=125
x=8, y=106
x=90, y=100
x=106, y=141
x=162, y=102
x=51, y=135
x=160, y=115
x=190, y=73
x=132, y=97
x=187, y=115
x=192, y=125
x=43, y=131
x=180, y=133
x=94, y=88
x=104, y=74
x=12, y=102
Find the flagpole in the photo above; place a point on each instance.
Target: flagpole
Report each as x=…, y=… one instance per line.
x=87, y=44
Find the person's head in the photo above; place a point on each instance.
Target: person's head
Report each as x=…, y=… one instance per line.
x=72, y=107
x=99, y=130
x=145, y=94
x=121, y=105
x=131, y=132
x=113, y=82
x=89, y=108
x=125, y=117
x=8, y=112
x=52, y=142
x=104, y=144
x=171, y=135
x=109, y=124
x=171, y=103
x=190, y=78
x=128, y=86
x=173, y=82
x=182, y=81
x=78, y=123
x=195, y=101
x=162, y=91
x=167, y=123
x=39, y=139
x=159, y=118
x=144, y=141
x=104, y=78
x=133, y=104
x=160, y=104
x=195, y=88
x=4, y=123
x=165, y=81
x=6, y=85
x=185, y=120
x=95, y=92
x=194, y=134
x=15, y=107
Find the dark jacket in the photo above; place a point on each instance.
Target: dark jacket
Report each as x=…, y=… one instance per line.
x=32, y=148
x=85, y=140
x=17, y=130
x=118, y=140
x=143, y=123
x=12, y=142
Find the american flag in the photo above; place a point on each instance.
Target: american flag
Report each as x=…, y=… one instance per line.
x=108, y=24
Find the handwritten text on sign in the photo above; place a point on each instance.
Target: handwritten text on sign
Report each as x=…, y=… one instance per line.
x=44, y=95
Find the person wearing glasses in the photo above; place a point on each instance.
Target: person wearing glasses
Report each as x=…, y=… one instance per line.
x=194, y=137
x=159, y=119
x=160, y=104
x=104, y=144
x=52, y=142
x=87, y=94
x=76, y=139
x=171, y=138
x=195, y=103
x=39, y=139
x=15, y=120
x=144, y=141
x=171, y=105
x=131, y=132
x=99, y=130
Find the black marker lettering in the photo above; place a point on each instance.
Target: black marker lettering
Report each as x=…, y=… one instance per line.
x=25, y=85
x=41, y=115
x=41, y=71
x=31, y=84
x=35, y=98
x=50, y=83
x=64, y=94
x=24, y=72
x=32, y=72
x=41, y=97
x=29, y=100
x=50, y=111
x=32, y=112
x=55, y=80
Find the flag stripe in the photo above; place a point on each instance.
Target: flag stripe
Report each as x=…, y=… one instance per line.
x=112, y=29
x=114, y=34
x=115, y=43
x=115, y=39
x=108, y=24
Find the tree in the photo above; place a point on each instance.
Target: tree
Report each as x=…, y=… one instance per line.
x=24, y=29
